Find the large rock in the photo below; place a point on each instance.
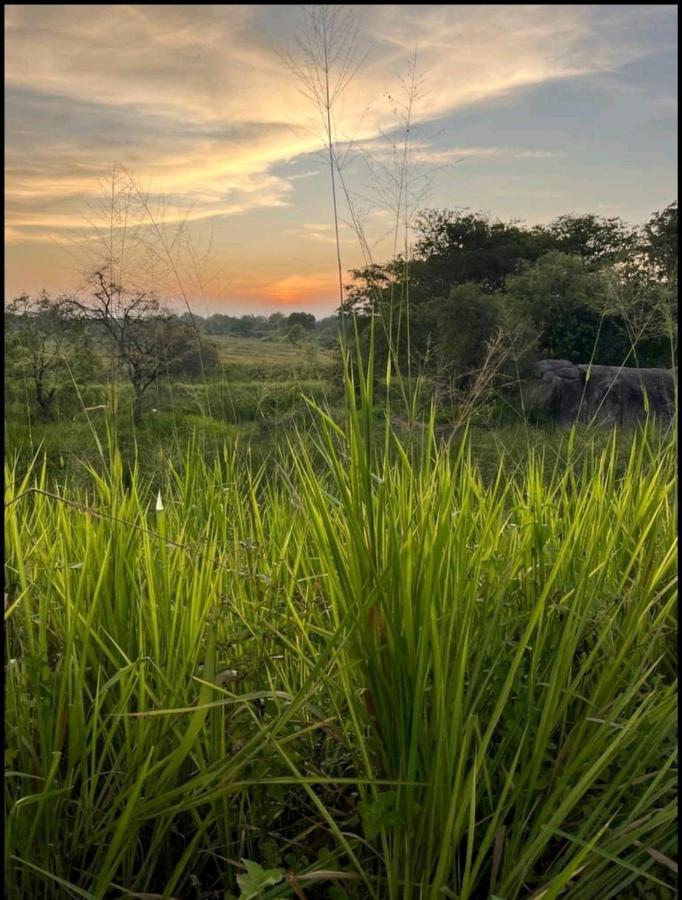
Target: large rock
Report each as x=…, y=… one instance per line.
x=605, y=395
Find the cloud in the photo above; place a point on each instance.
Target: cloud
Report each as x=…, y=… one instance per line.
x=422, y=152
x=318, y=290
x=320, y=232
x=296, y=288
x=196, y=99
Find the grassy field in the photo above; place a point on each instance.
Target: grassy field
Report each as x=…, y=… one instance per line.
x=254, y=396
x=359, y=664
x=266, y=352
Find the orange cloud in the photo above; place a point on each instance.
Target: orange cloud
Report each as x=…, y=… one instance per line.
x=301, y=289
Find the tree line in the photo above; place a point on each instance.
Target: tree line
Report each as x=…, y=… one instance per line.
x=296, y=328
x=584, y=288
x=107, y=331
x=476, y=290
x=114, y=332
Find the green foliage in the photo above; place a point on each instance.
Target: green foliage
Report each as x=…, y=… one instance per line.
x=595, y=239
x=305, y=320
x=145, y=340
x=660, y=242
x=462, y=326
x=607, y=316
x=455, y=247
x=378, y=813
x=562, y=278
x=562, y=300
x=296, y=334
x=269, y=327
x=256, y=880
x=647, y=310
x=47, y=348
x=365, y=660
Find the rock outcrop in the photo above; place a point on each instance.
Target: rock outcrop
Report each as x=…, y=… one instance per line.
x=605, y=395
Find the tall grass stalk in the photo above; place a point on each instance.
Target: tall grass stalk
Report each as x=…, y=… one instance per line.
x=329, y=60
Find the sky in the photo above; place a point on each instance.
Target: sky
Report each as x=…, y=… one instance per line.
x=524, y=112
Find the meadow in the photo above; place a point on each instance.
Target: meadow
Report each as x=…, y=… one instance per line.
x=317, y=609
x=300, y=645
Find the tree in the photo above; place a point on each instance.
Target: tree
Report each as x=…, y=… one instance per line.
x=457, y=246
x=47, y=345
x=249, y=326
x=193, y=319
x=646, y=303
x=660, y=243
x=304, y=319
x=595, y=239
x=564, y=276
x=454, y=247
x=462, y=326
x=296, y=335
x=219, y=323
x=564, y=303
x=327, y=331
x=276, y=320
x=372, y=288
x=148, y=342
x=181, y=350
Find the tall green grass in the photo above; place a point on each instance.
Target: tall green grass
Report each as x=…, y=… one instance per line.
x=364, y=666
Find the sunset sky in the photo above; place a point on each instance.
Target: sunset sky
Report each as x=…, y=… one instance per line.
x=525, y=112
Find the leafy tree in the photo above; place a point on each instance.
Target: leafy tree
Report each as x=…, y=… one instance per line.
x=219, y=323
x=193, y=357
x=296, y=335
x=563, y=277
x=660, y=243
x=462, y=325
x=148, y=342
x=276, y=321
x=192, y=319
x=595, y=239
x=373, y=288
x=304, y=319
x=327, y=331
x=47, y=345
x=249, y=326
x=646, y=304
x=563, y=302
x=455, y=247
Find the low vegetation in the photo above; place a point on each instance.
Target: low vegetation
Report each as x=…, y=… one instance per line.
x=363, y=670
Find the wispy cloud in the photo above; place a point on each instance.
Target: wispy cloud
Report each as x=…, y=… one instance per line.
x=196, y=100
x=425, y=152
x=197, y=97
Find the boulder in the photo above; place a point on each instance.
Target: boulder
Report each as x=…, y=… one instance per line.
x=605, y=395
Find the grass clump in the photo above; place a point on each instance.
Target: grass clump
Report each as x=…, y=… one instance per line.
x=364, y=668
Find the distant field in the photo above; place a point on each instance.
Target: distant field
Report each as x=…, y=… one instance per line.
x=255, y=351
